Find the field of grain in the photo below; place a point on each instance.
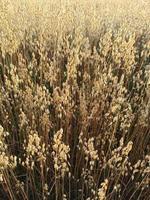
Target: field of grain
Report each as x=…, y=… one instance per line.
x=74, y=100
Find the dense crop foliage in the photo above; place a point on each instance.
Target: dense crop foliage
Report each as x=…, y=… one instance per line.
x=74, y=100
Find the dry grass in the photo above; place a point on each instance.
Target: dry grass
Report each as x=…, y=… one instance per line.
x=74, y=100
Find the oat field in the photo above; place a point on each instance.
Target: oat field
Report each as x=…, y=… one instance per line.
x=74, y=100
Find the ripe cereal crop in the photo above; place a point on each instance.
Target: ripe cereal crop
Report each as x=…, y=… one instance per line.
x=74, y=100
